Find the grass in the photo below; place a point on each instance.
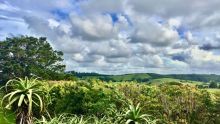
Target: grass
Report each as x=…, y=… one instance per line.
x=168, y=80
x=213, y=90
x=162, y=80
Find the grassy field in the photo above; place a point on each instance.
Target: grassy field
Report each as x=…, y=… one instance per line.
x=213, y=90
x=168, y=80
x=162, y=80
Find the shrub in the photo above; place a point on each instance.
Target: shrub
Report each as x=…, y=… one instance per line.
x=84, y=98
x=170, y=103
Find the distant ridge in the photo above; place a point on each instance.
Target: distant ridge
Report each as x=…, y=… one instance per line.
x=145, y=77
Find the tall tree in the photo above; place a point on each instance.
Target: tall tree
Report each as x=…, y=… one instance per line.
x=29, y=56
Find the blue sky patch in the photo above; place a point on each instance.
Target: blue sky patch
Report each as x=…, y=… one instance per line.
x=60, y=14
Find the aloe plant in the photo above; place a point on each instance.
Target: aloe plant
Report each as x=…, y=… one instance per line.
x=134, y=116
x=22, y=95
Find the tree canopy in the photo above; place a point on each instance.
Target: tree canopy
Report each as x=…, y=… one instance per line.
x=29, y=56
x=213, y=84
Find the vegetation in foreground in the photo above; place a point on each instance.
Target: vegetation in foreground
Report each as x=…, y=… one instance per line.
x=94, y=101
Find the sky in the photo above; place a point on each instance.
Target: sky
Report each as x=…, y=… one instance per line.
x=122, y=36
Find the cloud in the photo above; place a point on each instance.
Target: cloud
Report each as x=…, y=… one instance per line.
x=209, y=46
x=97, y=6
x=6, y=6
x=173, y=8
x=96, y=27
x=197, y=58
x=152, y=33
x=114, y=37
x=211, y=42
x=12, y=27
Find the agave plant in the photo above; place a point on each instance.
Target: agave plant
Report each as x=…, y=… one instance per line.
x=134, y=116
x=22, y=95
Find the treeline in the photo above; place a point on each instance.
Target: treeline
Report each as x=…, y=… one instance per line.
x=145, y=77
x=196, y=77
x=83, y=74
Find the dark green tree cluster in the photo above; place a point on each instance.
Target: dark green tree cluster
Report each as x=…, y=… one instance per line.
x=213, y=84
x=29, y=56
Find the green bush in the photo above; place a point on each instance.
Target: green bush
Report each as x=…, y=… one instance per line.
x=170, y=103
x=84, y=98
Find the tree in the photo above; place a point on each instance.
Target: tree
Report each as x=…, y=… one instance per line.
x=213, y=84
x=22, y=95
x=29, y=56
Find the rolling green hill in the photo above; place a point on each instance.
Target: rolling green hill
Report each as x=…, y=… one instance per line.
x=171, y=80
x=150, y=77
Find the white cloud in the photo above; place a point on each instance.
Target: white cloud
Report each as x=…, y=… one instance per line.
x=6, y=6
x=97, y=6
x=202, y=57
x=163, y=36
x=96, y=27
x=174, y=22
x=53, y=23
x=153, y=33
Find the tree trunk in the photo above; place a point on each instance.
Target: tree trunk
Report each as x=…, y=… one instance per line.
x=23, y=117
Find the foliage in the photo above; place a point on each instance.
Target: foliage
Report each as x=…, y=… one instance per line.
x=94, y=101
x=63, y=119
x=83, y=97
x=29, y=56
x=169, y=102
x=75, y=119
x=213, y=84
x=22, y=95
x=184, y=104
x=134, y=116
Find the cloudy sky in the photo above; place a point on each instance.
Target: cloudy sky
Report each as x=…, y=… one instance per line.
x=122, y=36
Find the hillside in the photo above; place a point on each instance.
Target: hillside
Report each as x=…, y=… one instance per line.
x=149, y=77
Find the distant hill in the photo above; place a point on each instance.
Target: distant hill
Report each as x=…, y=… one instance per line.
x=148, y=77
x=196, y=77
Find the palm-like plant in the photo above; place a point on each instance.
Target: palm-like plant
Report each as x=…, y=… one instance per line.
x=22, y=95
x=134, y=116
